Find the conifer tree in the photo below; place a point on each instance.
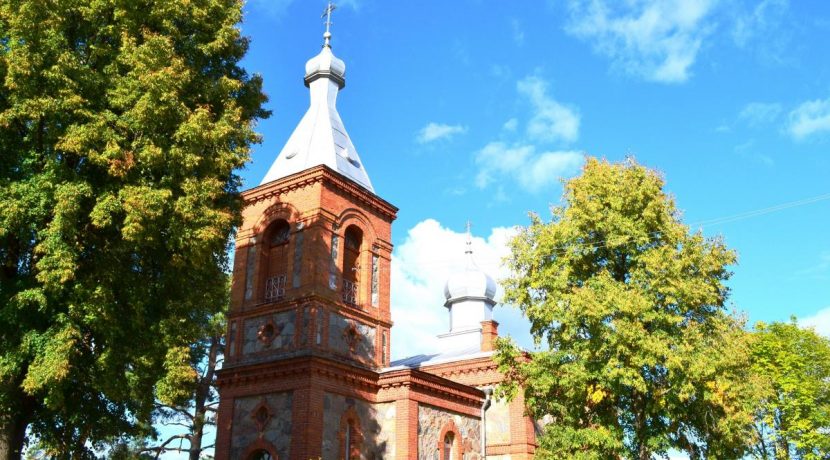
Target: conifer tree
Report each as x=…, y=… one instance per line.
x=640, y=356
x=122, y=126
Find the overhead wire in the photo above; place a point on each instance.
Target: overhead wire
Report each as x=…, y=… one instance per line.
x=703, y=223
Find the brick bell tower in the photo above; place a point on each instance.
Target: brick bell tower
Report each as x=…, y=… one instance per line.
x=310, y=296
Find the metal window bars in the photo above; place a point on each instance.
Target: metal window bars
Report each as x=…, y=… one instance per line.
x=275, y=288
x=349, y=292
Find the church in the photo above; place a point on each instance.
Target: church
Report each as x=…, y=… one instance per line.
x=307, y=371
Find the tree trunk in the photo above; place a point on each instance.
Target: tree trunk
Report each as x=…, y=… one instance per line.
x=202, y=395
x=13, y=433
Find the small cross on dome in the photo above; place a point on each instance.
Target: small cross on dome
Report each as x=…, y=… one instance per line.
x=327, y=14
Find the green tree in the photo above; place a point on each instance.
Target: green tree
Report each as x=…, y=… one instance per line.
x=122, y=124
x=639, y=355
x=194, y=407
x=794, y=420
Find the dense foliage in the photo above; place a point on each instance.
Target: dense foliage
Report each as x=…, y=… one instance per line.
x=794, y=419
x=639, y=356
x=121, y=125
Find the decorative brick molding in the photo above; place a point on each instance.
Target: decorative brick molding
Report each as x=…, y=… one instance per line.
x=261, y=415
x=260, y=445
x=457, y=445
x=268, y=332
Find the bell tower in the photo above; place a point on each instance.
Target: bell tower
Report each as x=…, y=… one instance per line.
x=310, y=294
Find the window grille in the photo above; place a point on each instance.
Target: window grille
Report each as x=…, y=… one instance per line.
x=275, y=288
x=349, y=292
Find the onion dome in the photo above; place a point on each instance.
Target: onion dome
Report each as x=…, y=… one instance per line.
x=326, y=64
x=472, y=283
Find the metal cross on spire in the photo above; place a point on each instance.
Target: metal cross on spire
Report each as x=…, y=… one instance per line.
x=327, y=14
x=469, y=238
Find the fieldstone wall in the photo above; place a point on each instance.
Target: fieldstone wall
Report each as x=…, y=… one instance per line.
x=377, y=425
x=277, y=429
x=342, y=342
x=497, y=424
x=284, y=327
x=431, y=421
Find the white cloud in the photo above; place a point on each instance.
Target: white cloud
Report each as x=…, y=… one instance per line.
x=762, y=24
x=551, y=120
x=810, y=118
x=655, y=39
x=420, y=268
x=518, y=32
x=759, y=113
x=820, y=322
x=533, y=171
x=511, y=124
x=436, y=131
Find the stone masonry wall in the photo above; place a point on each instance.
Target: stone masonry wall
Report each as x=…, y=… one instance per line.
x=498, y=423
x=340, y=340
x=431, y=421
x=377, y=425
x=276, y=431
x=284, y=326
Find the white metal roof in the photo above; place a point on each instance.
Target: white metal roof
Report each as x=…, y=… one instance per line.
x=320, y=138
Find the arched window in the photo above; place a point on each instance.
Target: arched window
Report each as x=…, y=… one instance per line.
x=351, y=438
x=449, y=439
x=351, y=264
x=348, y=442
x=261, y=454
x=449, y=443
x=276, y=245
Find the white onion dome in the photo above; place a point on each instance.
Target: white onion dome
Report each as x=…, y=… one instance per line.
x=326, y=64
x=471, y=283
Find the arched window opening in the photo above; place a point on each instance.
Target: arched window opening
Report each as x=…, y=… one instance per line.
x=351, y=264
x=449, y=439
x=261, y=454
x=449, y=443
x=348, y=442
x=277, y=238
x=351, y=438
x=280, y=233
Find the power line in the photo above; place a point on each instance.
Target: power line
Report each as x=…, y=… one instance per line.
x=709, y=222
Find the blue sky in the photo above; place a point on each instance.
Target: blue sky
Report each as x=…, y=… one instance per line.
x=474, y=110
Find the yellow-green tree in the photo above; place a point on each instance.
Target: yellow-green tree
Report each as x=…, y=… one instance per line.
x=794, y=419
x=122, y=124
x=640, y=356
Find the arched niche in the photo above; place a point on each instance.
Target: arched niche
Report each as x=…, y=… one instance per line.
x=352, y=247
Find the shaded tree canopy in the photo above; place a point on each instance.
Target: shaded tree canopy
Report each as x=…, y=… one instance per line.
x=122, y=124
x=639, y=355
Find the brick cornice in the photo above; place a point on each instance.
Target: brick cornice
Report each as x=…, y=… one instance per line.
x=326, y=175
x=308, y=365
x=484, y=370
x=358, y=313
x=425, y=382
